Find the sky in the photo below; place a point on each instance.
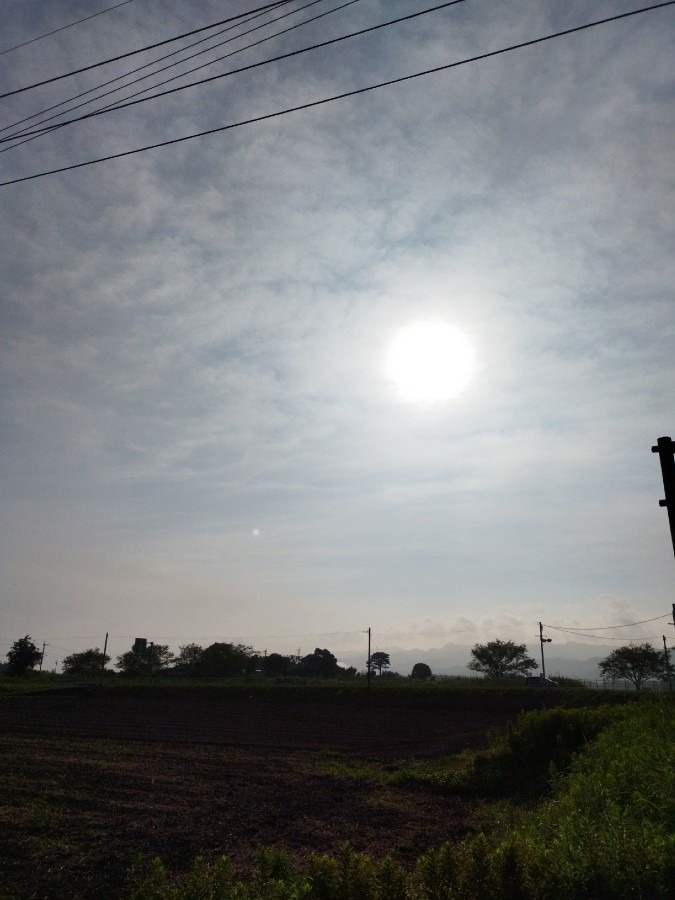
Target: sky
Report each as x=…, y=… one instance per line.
x=202, y=436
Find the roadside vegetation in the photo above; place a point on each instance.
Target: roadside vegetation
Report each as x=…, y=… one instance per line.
x=590, y=814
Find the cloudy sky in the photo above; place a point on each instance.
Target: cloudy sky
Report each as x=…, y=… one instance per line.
x=202, y=435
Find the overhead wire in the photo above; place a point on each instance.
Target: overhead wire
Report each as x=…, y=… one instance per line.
x=341, y=96
x=47, y=34
x=112, y=59
x=608, y=627
x=604, y=637
x=368, y=30
x=581, y=631
x=148, y=65
x=126, y=104
x=26, y=135
x=133, y=72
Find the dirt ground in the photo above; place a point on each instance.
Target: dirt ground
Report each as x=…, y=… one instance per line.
x=86, y=782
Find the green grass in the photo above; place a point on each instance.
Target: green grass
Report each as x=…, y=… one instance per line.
x=31, y=681
x=609, y=829
x=522, y=762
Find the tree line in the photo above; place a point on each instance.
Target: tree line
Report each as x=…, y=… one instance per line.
x=636, y=663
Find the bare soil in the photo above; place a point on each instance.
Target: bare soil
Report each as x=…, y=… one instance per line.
x=87, y=782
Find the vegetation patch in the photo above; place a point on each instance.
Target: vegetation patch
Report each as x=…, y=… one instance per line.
x=606, y=832
x=562, y=803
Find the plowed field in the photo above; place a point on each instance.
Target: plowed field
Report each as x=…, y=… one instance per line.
x=87, y=781
x=261, y=719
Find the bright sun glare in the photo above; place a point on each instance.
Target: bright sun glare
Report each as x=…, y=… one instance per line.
x=430, y=362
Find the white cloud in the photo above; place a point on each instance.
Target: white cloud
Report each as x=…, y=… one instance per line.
x=193, y=338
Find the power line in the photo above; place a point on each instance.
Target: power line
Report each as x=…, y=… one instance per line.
x=389, y=634
x=112, y=59
x=63, y=27
x=342, y=96
x=604, y=637
x=367, y=31
x=609, y=627
x=29, y=135
x=265, y=62
x=146, y=66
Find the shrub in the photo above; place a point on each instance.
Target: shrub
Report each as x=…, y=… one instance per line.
x=525, y=758
x=609, y=830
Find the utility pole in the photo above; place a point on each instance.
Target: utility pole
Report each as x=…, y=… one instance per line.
x=368, y=663
x=666, y=654
x=542, y=641
x=665, y=447
x=42, y=656
x=105, y=647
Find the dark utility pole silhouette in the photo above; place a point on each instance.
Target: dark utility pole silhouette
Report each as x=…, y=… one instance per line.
x=666, y=656
x=105, y=650
x=542, y=641
x=665, y=447
x=42, y=655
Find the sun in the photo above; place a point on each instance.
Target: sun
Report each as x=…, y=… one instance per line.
x=430, y=362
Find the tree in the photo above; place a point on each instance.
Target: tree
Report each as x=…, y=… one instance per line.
x=88, y=662
x=222, y=660
x=145, y=661
x=499, y=659
x=275, y=664
x=420, y=670
x=379, y=661
x=189, y=657
x=320, y=664
x=636, y=663
x=22, y=656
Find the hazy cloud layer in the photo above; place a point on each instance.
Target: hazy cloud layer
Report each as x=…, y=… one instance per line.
x=198, y=435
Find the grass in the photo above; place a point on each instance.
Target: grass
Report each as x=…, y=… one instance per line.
x=611, y=820
x=31, y=681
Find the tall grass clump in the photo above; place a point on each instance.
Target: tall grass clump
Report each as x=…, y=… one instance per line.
x=608, y=832
x=521, y=761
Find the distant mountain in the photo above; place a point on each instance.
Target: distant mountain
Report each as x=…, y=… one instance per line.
x=572, y=659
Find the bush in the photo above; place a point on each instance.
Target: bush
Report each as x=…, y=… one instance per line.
x=611, y=823
x=524, y=759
